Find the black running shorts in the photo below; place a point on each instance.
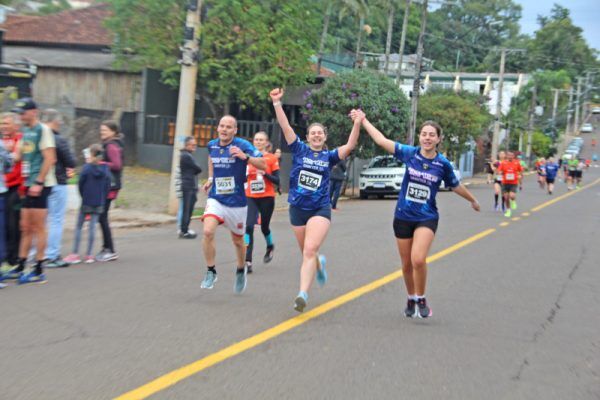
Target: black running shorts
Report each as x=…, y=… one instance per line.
x=406, y=229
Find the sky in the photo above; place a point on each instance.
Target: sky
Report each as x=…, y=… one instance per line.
x=584, y=13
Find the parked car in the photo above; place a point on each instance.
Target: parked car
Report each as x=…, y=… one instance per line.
x=596, y=110
x=586, y=128
x=382, y=176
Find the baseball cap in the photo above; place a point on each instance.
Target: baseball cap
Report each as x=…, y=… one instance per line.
x=24, y=104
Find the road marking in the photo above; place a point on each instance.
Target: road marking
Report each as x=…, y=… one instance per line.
x=525, y=214
x=564, y=196
x=186, y=371
x=173, y=377
x=516, y=218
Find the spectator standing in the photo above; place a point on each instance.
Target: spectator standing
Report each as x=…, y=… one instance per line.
x=189, y=171
x=336, y=180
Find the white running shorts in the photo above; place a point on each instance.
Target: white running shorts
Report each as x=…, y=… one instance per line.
x=234, y=218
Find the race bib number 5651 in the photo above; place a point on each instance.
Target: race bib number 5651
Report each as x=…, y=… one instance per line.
x=309, y=180
x=225, y=185
x=417, y=193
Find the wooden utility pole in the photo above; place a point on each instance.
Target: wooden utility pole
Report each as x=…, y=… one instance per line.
x=577, y=103
x=187, y=92
x=417, y=79
x=496, y=135
x=530, y=125
x=568, y=129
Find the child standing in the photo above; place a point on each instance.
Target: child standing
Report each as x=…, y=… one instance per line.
x=94, y=185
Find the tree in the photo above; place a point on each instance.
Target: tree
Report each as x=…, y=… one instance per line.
x=541, y=145
x=462, y=117
x=383, y=102
x=559, y=44
x=247, y=47
x=462, y=35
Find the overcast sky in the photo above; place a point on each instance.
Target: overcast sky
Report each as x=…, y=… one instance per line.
x=585, y=14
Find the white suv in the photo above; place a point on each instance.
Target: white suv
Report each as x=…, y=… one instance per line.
x=383, y=176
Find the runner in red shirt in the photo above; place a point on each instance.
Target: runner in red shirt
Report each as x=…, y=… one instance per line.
x=511, y=171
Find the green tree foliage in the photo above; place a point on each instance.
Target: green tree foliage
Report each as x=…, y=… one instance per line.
x=54, y=6
x=383, y=102
x=247, y=47
x=473, y=28
x=541, y=145
x=559, y=44
x=462, y=117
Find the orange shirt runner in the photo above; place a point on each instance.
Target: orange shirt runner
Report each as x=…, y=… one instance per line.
x=510, y=171
x=256, y=185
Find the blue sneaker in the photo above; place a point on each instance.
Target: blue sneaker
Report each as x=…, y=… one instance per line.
x=321, y=271
x=300, y=301
x=209, y=280
x=32, y=277
x=240, y=281
x=12, y=274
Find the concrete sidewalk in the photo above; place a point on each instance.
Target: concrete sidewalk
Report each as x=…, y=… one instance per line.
x=125, y=218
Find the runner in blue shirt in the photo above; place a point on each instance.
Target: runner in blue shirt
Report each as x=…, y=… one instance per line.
x=310, y=207
x=416, y=215
x=551, y=172
x=226, y=203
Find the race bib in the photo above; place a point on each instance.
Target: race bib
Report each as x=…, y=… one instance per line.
x=225, y=185
x=257, y=187
x=510, y=177
x=417, y=193
x=309, y=180
x=25, y=169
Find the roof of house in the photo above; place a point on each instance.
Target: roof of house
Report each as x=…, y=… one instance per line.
x=81, y=27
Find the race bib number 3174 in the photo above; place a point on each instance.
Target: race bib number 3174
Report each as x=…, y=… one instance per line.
x=309, y=180
x=417, y=193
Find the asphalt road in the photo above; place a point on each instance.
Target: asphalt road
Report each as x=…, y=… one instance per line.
x=515, y=313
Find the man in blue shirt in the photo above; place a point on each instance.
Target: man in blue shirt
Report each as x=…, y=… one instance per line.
x=226, y=204
x=551, y=172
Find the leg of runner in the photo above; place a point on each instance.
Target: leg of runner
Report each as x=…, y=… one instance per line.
x=249, y=236
x=422, y=239
x=497, y=194
x=310, y=238
x=404, y=248
x=240, y=273
x=267, y=206
x=209, y=250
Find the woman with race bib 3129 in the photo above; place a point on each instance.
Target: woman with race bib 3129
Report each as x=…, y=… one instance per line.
x=416, y=216
x=310, y=206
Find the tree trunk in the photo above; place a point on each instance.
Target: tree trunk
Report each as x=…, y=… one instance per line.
x=402, y=41
x=388, y=42
x=361, y=26
x=324, y=35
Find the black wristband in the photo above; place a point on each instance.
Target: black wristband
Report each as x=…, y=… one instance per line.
x=39, y=183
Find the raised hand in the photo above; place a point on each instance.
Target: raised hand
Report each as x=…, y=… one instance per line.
x=357, y=115
x=276, y=94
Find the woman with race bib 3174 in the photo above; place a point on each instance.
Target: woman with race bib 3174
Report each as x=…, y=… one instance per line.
x=310, y=207
x=416, y=216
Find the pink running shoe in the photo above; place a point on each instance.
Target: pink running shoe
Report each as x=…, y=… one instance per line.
x=72, y=259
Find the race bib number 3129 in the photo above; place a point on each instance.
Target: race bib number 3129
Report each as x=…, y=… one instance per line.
x=309, y=180
x=417, y=193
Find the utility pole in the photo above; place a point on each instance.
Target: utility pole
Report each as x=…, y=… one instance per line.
x=417, y=79
x=530, y=126
x=569, y=113
x=577, y=102
x=187, y=92
x=496, y=135
x=402, y=41
x=555, y=106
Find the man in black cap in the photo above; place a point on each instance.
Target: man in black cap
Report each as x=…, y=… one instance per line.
x=38, y=155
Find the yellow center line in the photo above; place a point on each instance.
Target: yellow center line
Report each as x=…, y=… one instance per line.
x=195, y=367
x=525, y=214
x=173, y=377
x=564, y=196
x=515, y=218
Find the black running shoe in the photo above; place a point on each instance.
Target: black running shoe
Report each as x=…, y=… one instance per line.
x=269, y=254
x=424, y=310
x=411, y=308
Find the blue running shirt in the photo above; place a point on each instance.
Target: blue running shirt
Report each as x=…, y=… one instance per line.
x=309, y=178
x=416, y=201
x=229, y=172
x=551, y=170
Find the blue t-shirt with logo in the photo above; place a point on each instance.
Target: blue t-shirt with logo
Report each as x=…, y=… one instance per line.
x=309, y=178
x=551, y=170
x=229, y=173
x=416, y=201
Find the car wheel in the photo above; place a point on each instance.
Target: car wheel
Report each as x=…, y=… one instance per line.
x=363, y=195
